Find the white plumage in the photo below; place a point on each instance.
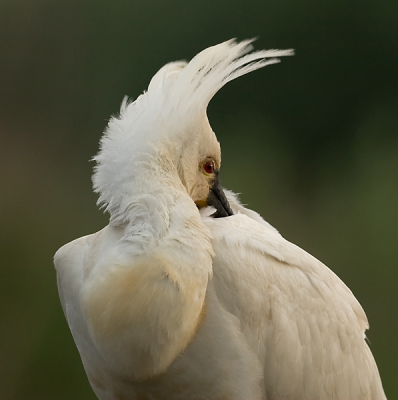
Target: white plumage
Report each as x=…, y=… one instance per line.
x=170, y=302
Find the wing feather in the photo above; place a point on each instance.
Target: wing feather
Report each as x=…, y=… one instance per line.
x=306, y=326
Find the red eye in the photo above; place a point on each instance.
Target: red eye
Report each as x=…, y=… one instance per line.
x=208, y=166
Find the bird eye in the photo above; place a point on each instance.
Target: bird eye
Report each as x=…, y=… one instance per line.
x=208, y=167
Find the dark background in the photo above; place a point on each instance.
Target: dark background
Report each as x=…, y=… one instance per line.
x=311, y=143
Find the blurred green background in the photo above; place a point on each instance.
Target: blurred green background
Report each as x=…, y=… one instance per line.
x=312, y=144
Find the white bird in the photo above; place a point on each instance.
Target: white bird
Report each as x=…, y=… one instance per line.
x=186, y=294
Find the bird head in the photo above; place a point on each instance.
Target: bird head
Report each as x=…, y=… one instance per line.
x=165, y=136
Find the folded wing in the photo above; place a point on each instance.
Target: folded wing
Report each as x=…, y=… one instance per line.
x=306, y=326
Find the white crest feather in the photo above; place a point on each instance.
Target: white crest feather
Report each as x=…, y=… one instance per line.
x=177, y=96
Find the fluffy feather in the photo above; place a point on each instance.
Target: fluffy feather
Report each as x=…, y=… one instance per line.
x=170, y=111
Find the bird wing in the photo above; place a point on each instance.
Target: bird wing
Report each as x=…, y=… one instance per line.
x=306, y=326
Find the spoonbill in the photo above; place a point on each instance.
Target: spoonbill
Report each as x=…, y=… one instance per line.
x=187, y=294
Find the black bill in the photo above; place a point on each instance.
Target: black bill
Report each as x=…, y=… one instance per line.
x=218, y=200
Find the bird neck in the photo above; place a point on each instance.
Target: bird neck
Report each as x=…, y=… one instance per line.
x=154, y=200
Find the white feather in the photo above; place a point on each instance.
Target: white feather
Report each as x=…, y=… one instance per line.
x=167, y=302
x=175, y=102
